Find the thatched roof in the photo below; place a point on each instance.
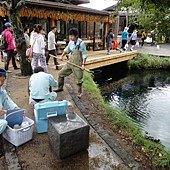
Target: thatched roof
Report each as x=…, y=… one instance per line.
x=56, y=11
x=80, y=1
x=75, y=2
x=63, y=6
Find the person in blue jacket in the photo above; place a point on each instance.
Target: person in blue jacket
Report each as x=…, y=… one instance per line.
x=5, y=102
x=125, y=35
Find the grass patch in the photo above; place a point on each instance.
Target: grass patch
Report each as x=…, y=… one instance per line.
x=118, y=118
x=149, y=62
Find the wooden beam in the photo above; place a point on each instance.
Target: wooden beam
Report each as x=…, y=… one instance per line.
x=52, y=23
x=98, y=62
x=94, y=63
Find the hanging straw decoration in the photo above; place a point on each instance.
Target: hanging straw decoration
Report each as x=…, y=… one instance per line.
x=3, y=12
x=44, y=13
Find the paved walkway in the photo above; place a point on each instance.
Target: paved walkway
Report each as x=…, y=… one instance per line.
x=164, y=50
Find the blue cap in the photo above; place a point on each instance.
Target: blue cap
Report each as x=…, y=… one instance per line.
x=2, y=71
x=8, y=24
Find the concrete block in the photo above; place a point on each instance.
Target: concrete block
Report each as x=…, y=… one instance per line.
x=67, y=137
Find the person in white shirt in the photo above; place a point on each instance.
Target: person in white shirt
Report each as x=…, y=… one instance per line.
x=133, y=39
x=32, y=34
x=40, y=85
x=52, y=45
x=38, y=48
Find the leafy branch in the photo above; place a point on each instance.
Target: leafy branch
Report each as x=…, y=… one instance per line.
x=19, y=5
x=6, y=4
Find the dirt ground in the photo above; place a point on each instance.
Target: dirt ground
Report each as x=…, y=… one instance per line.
x=37, y=154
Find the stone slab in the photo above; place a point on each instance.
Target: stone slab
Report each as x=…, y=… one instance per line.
x=68, y=137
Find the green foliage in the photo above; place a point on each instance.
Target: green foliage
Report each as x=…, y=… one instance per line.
x=118, y=118
x=149, y=62
x=149, y=15
x=159, y=3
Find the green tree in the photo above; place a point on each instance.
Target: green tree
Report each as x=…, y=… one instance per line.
x=158, y=3
x=14, y=7
x=149, y=15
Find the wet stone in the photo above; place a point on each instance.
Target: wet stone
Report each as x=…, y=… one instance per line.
x=67, y=137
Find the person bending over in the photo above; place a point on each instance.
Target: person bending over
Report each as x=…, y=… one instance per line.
x=39, y=86
x=5, y=101
x=5, y=104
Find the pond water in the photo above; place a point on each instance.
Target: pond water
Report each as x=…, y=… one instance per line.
x=145, y=97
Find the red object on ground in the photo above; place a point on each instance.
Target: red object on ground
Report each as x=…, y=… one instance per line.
x=115, y=44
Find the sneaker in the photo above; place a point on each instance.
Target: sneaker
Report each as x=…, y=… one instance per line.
x=8, y=71
x=58, y=90
x=80, y=95
x=16, y=68
x=57, y=64
x=67, y=57
x=108, y=53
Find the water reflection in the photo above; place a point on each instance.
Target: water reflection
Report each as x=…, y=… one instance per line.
x=146, y=98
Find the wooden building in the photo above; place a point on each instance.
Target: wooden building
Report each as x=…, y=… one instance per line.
x=92, y=24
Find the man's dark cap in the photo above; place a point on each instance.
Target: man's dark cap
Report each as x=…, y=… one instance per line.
x=2, y=72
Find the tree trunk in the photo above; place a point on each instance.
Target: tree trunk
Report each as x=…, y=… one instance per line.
x=25, y=63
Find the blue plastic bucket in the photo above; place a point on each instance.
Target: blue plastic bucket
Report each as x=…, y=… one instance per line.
x=14, y=116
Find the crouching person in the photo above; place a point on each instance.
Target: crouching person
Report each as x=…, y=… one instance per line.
x=5, y=104
x=5, y=101
x=40, y=85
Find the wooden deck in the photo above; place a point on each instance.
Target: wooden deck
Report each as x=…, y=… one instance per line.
x=98, y=59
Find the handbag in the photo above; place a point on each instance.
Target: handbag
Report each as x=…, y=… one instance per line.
x=29, y=51
x=3, y=42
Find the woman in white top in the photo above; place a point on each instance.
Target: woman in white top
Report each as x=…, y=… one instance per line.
x=133, y=39
x=38, y=47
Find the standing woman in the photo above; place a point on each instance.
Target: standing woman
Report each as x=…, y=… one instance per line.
x=133, y=39
x=38, y=47
x=125, y=35
x=26, y=36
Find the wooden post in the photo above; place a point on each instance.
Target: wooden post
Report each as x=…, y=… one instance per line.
x=127, y=17
x=104, y=38
x=94, y=35
x=79, y=28
x=106, y=27
x=52, y=23
x=117, y=26
x=86, y=30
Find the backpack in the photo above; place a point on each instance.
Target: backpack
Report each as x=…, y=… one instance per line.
x=3, y=43
x=144, y=36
